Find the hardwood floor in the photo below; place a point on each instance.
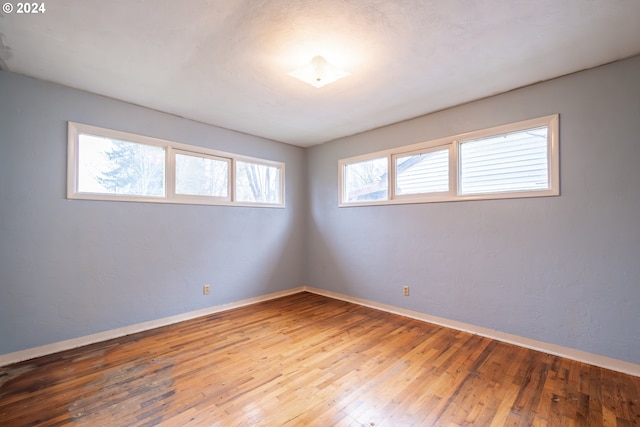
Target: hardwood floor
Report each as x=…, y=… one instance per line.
x=308, y=360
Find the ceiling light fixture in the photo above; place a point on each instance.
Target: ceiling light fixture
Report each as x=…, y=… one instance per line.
x=318, y=72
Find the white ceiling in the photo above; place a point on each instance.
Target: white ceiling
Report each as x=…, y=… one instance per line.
x=225, y=62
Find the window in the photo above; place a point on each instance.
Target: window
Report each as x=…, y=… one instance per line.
x=366, y=180
x=516, y=160
x=112, y=166
x=105, y=164
x=201, y=175
x=258, y=183
x=424, y=172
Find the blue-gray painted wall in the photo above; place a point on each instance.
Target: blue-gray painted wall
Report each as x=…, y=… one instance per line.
x=70, y=268
x=564, y=270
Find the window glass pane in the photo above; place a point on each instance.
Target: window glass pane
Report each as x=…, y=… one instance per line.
x=366, y=181
x=110, y=166
x=202, y=176
x=511, y=162
x=257, y=183
x=422, y=173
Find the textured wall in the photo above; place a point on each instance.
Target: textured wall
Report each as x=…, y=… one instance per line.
x=564, y=270
x=69, y=268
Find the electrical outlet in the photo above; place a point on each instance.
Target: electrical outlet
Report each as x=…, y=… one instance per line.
x=405, y=291
x=206, y=289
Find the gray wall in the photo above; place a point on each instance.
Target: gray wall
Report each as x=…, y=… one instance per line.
x=564, y=270
x=69, y=268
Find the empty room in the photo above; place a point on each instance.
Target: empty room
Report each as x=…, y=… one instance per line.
x=320, y=213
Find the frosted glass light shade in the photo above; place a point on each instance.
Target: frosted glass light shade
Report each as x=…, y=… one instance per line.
x=318, y=72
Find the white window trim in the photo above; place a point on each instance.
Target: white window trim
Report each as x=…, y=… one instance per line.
x=247, y=159
x=194, y=198
x=372, y=156
x=171, y=148
x=430, y=196
x=453, y=144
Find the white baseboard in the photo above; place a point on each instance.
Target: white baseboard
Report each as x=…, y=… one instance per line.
x=569, y=353
x=557, y=350
x=30, y=353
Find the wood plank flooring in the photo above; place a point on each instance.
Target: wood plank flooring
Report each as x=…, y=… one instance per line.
x=308, y=360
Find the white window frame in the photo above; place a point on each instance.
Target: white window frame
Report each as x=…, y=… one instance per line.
x=373, y=156
x=432, y=195
x=195, y=198
x=257, y=161
x=453, y=143
x=171, y=149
